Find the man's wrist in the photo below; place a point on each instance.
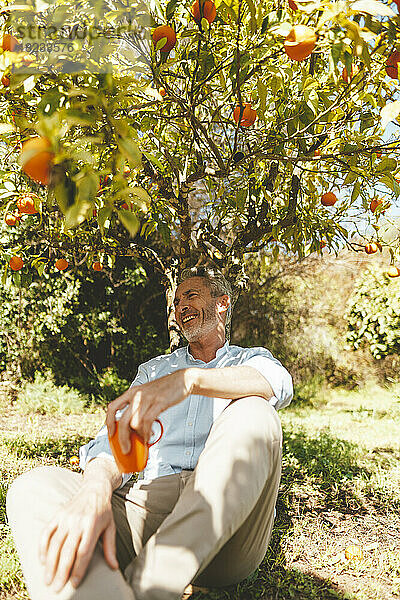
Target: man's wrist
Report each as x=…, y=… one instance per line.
x=192, y=380
x=101, y=474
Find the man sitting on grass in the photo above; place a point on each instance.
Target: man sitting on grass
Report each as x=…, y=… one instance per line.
x=202, y=510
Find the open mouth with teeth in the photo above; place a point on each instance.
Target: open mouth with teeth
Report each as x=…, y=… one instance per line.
x=187, y=318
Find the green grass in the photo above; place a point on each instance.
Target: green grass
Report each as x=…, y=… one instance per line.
x=340, y=486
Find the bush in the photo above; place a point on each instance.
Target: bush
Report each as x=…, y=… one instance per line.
x=373, y=314
x=44, y=397
x=90, y=330
x=296, y=310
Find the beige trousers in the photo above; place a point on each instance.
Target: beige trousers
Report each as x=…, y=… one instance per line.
x=210, y=526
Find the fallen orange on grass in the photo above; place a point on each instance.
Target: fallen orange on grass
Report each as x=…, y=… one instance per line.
x=371, y=248
x=393, y=271
x=353, y=552
x=300, y=42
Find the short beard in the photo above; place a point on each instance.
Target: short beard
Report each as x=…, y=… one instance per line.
x=209, y=323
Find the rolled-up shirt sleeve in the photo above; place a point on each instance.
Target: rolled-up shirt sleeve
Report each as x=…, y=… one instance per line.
x=274, y=372
x=100, y=446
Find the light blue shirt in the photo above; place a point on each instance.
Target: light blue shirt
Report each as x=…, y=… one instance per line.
x=187, y=424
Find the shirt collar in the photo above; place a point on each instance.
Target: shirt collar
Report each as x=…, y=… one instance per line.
x=220, y=352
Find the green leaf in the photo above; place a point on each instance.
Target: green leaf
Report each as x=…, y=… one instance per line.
x=356, y=191
x=170, y=10
x=103, y=214
x=131, y=151
x=142, y=196
x=129, y=221
x=77, y=213
x=253, y=21
x=5, y=272
x=350, y=177
x=386, y=164
x=154, y=160
x=262, y=94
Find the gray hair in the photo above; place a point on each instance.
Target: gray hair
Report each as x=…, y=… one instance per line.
x=217, y=284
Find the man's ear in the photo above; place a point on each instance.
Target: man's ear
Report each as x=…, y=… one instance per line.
x=223, y=303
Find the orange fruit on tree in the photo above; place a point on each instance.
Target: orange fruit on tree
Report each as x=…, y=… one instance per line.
x=249, y=115
x=26, y=205
x=205, y=8
x=9, y=42
x=393, y=271
x=375, y=202
x=127, y=170
x=97, y=266
x=293, y=5
x=371, y=248
x=162, y=91
x=11, y=219
x=392, y=65
x=61, y=264
x=5, y=80
x=39, y=158
x=328, y=199
x=16, y=263
x=74, y=461
x=164, y=31
x=317, y=152
x=125, y=206
x=300, y=42
x=353, y=71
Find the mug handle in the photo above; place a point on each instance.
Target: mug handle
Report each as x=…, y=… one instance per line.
x=160, y=436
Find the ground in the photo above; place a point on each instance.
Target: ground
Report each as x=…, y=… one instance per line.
x=340, y=487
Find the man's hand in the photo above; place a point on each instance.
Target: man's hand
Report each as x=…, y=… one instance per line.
x=68, y=541
x=145, y=402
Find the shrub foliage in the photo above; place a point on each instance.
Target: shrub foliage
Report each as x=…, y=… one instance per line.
x=373, y=314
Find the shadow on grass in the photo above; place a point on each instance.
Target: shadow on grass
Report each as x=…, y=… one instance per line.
x=272, y=580
x=321, y=467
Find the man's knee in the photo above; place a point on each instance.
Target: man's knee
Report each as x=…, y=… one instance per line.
x=26, y=490
x=253, y=417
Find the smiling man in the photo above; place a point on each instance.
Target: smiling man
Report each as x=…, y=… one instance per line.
x=202, y=510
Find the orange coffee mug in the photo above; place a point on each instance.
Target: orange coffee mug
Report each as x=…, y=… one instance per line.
x=136, y=460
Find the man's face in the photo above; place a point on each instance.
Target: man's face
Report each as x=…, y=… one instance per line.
x=196, y=310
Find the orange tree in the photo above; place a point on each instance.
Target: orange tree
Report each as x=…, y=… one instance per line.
x=198, y=133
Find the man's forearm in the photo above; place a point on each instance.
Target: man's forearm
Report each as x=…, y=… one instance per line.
x=103, y=474
x=228, y=382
